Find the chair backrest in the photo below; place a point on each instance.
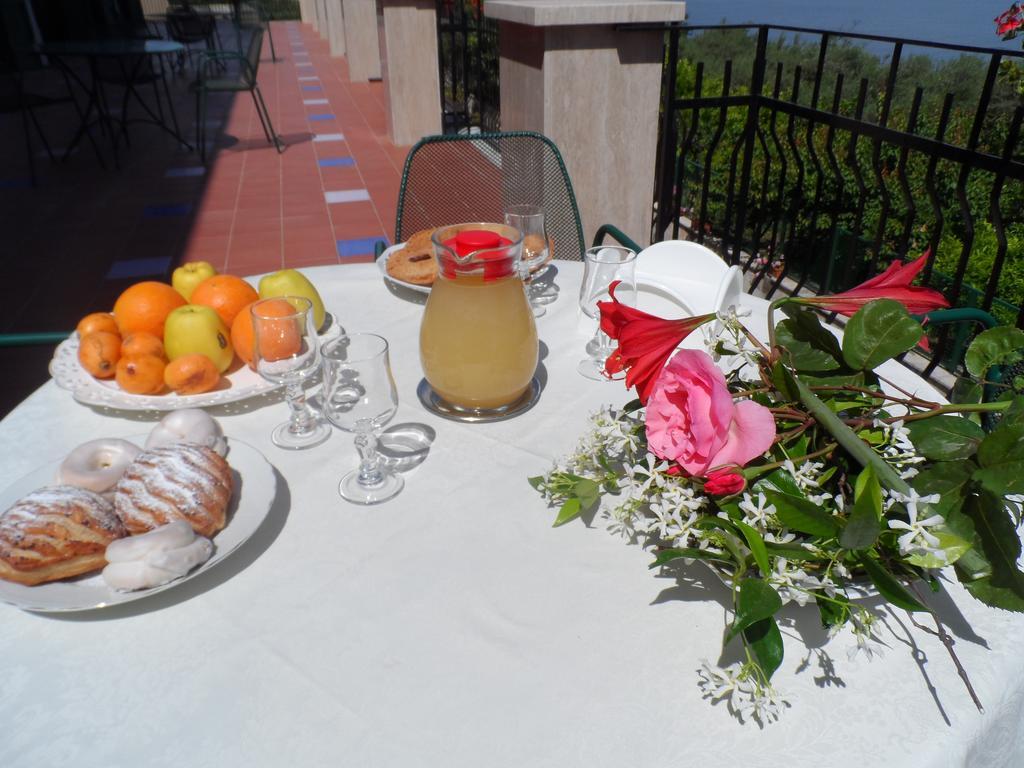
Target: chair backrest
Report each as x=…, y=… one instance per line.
x=252, y=55
x=475, y=177
x=186, y=26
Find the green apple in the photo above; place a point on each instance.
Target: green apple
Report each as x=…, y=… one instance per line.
x=195, y=328
x=289, y=282
x=186, y=277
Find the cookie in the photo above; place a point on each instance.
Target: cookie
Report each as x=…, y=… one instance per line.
x=414, y=265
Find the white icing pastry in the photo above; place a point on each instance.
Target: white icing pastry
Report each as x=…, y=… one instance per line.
x=171, y=536
x=188, y=425
x=98, y=464
x=156, y=557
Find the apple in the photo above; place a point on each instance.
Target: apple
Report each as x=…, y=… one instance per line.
x=195, y=328
x=289, y=282
x=186, y=277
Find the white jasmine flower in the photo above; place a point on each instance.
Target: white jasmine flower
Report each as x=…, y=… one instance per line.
x=641, y=477
x=863, y=623
x=792, y=583
x=744, y=694
x=757, y=513
x=806, y=475
x=917, y=539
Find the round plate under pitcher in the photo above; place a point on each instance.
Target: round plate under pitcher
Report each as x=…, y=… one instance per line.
x=435, y=404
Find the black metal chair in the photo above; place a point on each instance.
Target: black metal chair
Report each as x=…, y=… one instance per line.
x=475, y=177
x=245, y=80
x=189, y=28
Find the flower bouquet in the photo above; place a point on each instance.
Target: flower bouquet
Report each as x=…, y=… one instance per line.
x=801, y=475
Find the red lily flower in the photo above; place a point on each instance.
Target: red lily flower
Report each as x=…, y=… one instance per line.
x=894, y=283
x=646, y=342
x=1010, y=21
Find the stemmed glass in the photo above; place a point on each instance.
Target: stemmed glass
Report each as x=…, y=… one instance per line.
x=529, y=219
x=602, y=265
x=286, y=351
x=359, y=396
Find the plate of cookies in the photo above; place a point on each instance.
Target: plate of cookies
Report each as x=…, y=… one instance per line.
x=410, y=264
x=117, y=520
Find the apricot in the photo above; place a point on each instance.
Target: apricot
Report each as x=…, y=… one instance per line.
x=97, y=321
x=141, y=374
x=98, y=352
x=191, y=374
x=141, y=343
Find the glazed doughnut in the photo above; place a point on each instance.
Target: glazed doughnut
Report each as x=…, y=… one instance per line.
x=98, y=464
x=188, y=425
x=155, y=558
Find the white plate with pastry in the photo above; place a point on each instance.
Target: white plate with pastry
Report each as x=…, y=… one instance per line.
x=254, y=490
x=239, y=384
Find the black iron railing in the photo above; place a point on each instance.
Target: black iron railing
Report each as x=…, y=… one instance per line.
x=468, y=53
x=812, y=158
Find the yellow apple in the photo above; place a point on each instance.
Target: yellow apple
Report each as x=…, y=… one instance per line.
x=195, y=328
x=289, y=282
x=186, y=277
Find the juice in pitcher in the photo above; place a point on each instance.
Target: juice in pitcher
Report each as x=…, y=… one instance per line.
x=478, y=339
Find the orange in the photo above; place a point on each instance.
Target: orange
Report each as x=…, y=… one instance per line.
x=141, y=375
x=191, y=374
x=241, y=335
x=97, y=321
x=98, y=352
x=227, y=295
x=141, y=343
x=277, y=339
x=145, y=306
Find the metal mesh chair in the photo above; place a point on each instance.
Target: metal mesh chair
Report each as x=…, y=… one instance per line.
x=452, y=179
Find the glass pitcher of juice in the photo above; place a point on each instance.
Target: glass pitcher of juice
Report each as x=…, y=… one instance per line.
x=478, y=340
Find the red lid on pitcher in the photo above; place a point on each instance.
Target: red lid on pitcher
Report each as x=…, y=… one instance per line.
x=496, y=262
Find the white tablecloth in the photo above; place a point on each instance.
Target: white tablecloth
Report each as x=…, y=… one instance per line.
x=452, y=626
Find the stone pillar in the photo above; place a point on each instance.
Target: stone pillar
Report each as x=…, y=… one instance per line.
x=336, y=27
x=307, y=11
x=362, y=44
x=567, y=72
x=410, y=69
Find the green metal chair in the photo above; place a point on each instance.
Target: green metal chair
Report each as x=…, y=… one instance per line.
x=474, y=177
x=249, y=65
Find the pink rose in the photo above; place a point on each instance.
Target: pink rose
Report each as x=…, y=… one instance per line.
x=691, y=418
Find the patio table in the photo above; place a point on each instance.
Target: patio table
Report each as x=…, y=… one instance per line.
x=130, y=54
x=452, y=626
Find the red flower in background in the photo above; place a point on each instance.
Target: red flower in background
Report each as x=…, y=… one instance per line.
x=894, y=283
x=1009, y=23
x=645, y=341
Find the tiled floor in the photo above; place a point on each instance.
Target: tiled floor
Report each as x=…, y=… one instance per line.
x=83, y=233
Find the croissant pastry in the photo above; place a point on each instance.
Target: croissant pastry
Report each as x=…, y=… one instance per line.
x=183, y=481
x=55, y=533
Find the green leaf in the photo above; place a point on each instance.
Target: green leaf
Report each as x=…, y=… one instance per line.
x=953, y=546
x=535, y=481
x=755, y=600
x=588, y=492
x=880, y=330
x=833, y=610
x=998, y=597
x=802, y=515
x=1001, y=455
x=765, y=641
x=864, y=524
x=996, y=346
x=668, y=555
x=570, y=510
x=757, y=548
x=809, y=328
x=951, y=480
x=857, y=379
x=998, y=540
x=782, y=379
x=945, y=437
x=792, y=552
x=889, y=586
x=800, y=353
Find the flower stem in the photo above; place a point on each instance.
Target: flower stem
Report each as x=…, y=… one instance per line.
x=765, y=468
x=771, y=318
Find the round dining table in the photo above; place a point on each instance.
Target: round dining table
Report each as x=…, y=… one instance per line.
x=453, y=626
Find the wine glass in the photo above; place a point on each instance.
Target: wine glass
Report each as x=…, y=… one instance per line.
x=602, y=265
x=529, y=219
x=359, y=396
x=285, y=351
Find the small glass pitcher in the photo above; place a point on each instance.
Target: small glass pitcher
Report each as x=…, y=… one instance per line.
x=478, y=339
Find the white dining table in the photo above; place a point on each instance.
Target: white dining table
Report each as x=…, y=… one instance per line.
x=452, y=626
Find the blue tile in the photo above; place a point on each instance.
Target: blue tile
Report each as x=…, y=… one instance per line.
x=175, y=173
x=15, y=183
x=311, y=88
x=326, y=116
x=330, y=162
x=360, y=247
x=139, y=268
x=165, y=211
